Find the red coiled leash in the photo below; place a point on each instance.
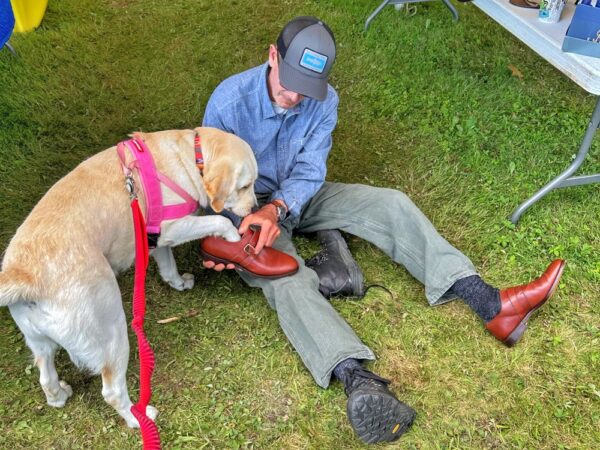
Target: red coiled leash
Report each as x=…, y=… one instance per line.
x=156, y=213
x=150, y=436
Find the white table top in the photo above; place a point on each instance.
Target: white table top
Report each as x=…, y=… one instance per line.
x=546, y=39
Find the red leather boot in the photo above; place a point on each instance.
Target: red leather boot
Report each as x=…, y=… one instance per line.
x=518, y=303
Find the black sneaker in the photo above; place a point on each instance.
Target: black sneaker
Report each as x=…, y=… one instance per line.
x=373, y=410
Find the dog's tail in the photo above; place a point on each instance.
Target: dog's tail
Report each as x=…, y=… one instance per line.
x=16, y=285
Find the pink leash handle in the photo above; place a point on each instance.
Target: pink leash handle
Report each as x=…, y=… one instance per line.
x=150, y=436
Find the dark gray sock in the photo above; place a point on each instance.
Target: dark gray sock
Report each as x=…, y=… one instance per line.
x=342, y=370
x=480, y=296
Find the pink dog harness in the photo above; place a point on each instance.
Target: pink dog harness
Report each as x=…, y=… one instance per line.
x=156, y=211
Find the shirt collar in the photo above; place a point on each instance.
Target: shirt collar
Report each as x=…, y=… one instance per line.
x=265, y=101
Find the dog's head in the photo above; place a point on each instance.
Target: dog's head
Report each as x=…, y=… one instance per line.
x=230, y=171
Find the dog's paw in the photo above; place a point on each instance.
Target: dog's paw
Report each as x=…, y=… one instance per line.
x=188, y=281
x=60, y=398
x=151, y=412
x=184, y=282
x=231, y=235
x=132, y=422
x=130, y=419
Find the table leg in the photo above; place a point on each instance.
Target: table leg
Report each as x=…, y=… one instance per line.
x=565, y=179
x=452, y=9
x=374, y=13
x=448, y=4
x=8, y=46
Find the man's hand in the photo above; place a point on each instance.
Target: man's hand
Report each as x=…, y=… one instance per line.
x=217, y=267
x=266, y=218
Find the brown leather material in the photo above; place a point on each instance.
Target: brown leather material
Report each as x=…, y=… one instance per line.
x=533, y=4
x=269, y=263
x=517, y=304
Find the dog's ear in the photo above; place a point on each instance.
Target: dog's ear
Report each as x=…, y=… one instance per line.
x=218, y=184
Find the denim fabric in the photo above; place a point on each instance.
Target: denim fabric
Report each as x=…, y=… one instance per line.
x=291, y=149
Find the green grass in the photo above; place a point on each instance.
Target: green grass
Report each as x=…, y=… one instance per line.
x=427, y=106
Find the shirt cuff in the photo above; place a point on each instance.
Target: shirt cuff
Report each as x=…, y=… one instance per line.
x=292, y=204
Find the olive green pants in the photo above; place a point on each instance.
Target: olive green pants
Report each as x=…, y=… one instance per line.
x=388, y=219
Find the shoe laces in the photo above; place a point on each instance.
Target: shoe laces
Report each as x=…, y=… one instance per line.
x=358, y=376
x=318, y=259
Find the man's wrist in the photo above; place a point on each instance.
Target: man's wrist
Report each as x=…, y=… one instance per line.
x=281, y=209
x=280, y=202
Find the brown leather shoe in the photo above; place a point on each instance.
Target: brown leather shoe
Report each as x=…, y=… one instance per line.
x=269, y=263
x=518, y=303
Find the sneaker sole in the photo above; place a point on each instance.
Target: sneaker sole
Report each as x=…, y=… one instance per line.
x=377, y=417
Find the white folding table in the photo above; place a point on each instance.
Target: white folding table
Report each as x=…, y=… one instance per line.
x=546, y=39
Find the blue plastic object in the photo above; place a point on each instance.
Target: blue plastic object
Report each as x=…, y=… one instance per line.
x=7, y=22
x=583, y=34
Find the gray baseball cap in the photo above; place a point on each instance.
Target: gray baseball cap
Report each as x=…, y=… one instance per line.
x=307, y=51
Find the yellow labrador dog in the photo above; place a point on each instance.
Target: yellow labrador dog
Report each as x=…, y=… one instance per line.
x=58, y=273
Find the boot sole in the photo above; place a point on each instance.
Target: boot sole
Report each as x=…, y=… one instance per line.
x=517, y=333
x=208, y=257
x=378, y=417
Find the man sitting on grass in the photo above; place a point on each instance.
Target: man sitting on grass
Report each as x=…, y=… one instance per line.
x=286, y=110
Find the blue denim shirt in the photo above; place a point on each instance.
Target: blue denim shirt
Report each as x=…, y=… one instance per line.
x=291, y=149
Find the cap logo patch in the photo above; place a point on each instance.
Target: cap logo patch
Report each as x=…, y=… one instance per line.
x=314, y=61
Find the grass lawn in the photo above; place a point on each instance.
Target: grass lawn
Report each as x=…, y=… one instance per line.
x=427, y=106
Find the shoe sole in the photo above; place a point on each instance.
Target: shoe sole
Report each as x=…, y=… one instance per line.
x=377, y=417
x=517, y=333
x=208, y=257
